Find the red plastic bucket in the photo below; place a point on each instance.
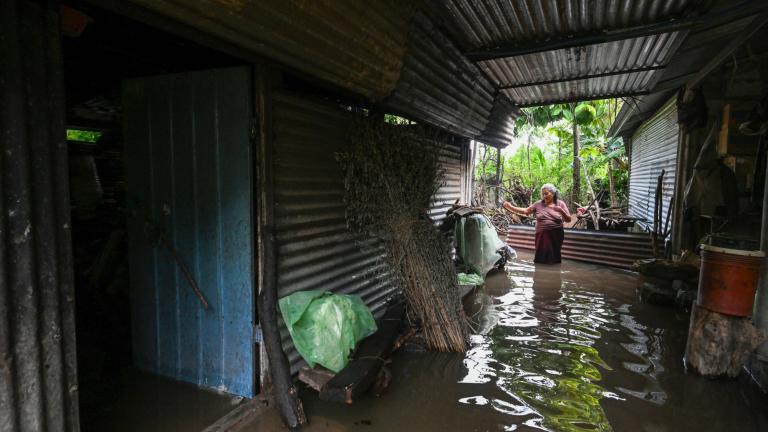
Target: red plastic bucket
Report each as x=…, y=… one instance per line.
x=728, y=280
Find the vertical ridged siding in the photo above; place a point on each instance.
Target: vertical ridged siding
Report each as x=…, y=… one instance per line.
x=439, y=85
x=654, y=147
x=188, y=168
x=451, y=188
x=315, y=249
x=38, y=371
x=355, y=45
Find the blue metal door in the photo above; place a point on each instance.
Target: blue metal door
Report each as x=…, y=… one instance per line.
x=189, y=193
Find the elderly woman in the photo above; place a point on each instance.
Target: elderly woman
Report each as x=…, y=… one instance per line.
x=550, y=215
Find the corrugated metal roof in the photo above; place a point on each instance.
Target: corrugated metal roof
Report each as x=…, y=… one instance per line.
x=439, y=85
x=697, y=49
x=529, y=79
x=492, y=23
x=576, y=71
x=501, y=124
x=356, y=45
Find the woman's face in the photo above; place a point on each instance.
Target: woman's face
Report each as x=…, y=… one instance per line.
x=547, y=196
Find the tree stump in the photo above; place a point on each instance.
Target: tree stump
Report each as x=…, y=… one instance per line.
x=719, y=344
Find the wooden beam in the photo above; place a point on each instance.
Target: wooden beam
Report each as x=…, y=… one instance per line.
x=355, y=379
x=584, y=98
x=284, y=391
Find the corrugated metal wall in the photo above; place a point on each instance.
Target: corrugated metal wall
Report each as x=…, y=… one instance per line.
x=654, y=148
x=188, y=169
x=451, y=158
x=315, y=249
x=600, y=247
x=38, y=371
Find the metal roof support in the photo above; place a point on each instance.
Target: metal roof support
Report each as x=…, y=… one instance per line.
x=584, y=77
x=585, y=98
x=740, y=10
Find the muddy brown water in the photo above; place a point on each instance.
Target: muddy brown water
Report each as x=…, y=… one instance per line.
x=557, y=348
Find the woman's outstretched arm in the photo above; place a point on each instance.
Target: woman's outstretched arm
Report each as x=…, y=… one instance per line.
x=524, y=210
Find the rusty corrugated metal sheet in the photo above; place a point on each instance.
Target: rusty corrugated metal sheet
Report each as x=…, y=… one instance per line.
x=501, y=124
x=315, y=249
x=439, y=85
x=654, y=148
x=600, y=247
x=38, y=370
x=356, y=45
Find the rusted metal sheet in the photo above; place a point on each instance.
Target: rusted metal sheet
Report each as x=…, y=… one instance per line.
x=654, y=148
x=600, y=247
x=501, y=124
x=38, y=371
x=315, y=249
x=356, y=45
x=439, y=85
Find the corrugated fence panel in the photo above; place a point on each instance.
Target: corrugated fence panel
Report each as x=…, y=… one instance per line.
x=188, y=168
x=315, y=249
x=654, y=148
x=38, y=371
x=356, y=45
x=450, y=190
x=601, y=247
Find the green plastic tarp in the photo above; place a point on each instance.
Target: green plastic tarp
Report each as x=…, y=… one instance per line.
x=477, y=243
x=325, y=327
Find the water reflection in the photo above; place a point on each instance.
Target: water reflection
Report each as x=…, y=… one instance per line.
x=542, y=350
x=556, y=348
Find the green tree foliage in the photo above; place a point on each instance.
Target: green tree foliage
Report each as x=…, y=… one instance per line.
x=545, y=138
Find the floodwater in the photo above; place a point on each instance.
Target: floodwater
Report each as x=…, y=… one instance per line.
x=148, y=403
x=556, y=348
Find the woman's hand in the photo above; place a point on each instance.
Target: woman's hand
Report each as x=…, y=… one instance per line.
x=564, y=213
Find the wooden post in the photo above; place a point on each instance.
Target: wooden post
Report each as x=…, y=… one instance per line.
x=719, y=344
x=285, y=393
x=576, y=188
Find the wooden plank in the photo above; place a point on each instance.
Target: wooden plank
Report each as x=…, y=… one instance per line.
x=361, y=372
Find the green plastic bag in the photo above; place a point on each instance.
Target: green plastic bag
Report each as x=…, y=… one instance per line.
x=470, y=279
x=477, y=243
x=325, y=327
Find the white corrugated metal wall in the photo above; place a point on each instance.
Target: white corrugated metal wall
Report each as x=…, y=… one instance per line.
x=654, y=148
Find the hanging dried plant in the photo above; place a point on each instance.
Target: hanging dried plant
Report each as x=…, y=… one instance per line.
x=392, y=174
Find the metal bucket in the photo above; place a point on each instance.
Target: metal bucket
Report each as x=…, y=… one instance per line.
x=728, y=280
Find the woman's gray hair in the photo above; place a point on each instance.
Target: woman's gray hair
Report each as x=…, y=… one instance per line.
x=553, y=190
